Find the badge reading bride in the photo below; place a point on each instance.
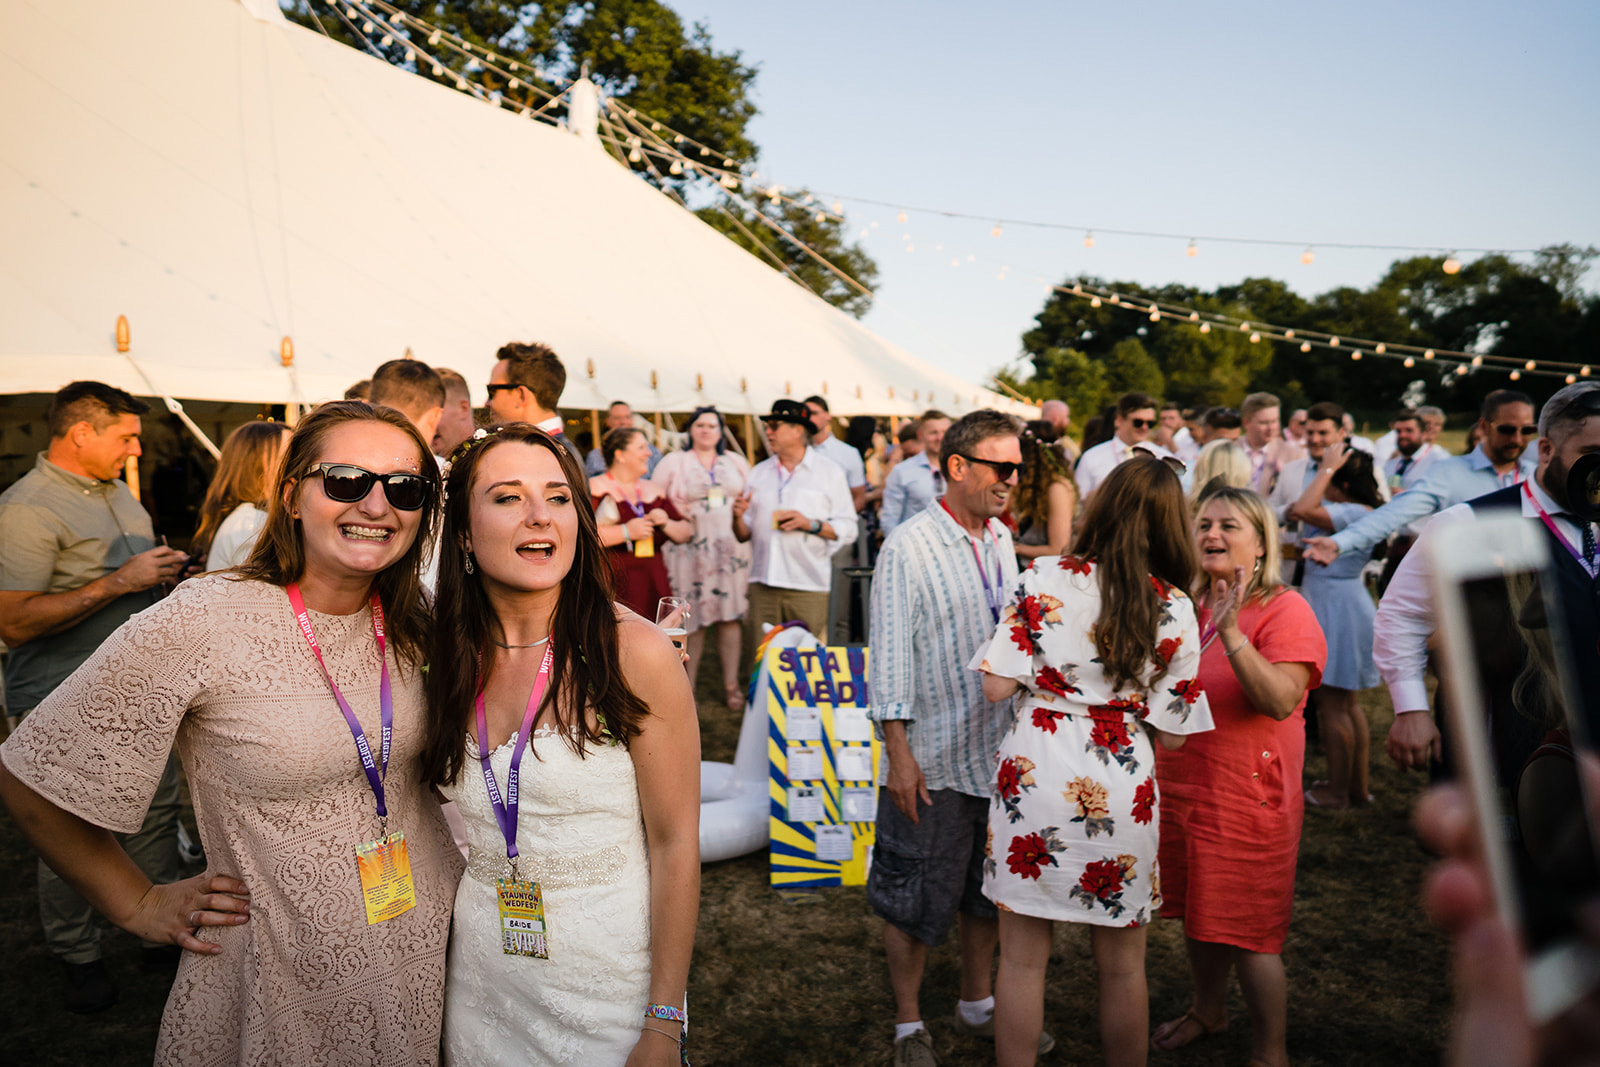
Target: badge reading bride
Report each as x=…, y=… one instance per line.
x=521, y=918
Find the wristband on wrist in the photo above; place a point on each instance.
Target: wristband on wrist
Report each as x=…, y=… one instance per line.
x=671, y=1014
x=816, y=526
x=1236, y=649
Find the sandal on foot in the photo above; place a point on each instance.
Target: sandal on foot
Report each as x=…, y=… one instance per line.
x=1313, y=802
x=1164, y=1041
x=733, y=696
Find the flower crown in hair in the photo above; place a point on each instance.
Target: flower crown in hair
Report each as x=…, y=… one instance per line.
x=477, y=438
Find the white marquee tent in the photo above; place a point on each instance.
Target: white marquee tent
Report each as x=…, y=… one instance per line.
x=226, y=179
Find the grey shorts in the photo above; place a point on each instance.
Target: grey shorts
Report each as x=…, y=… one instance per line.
x=923, y=874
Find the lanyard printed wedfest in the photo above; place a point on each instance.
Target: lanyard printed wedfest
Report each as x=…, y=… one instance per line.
x=383, y=863
x=522, y=923
x=994, y=594
x=1590, y=567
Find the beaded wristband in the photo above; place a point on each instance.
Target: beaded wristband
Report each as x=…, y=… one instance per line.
x=676, y=1015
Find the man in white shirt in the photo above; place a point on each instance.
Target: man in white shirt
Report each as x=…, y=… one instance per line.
x=1324, y=425
x=916, y=482
x=855, y=475
x=526, y=385
x=1569, y=427
x=1410, y=460
x=937, y=593
x=1173, y=434
x=1263, y=446
x=796, y=512
x=1136, y=417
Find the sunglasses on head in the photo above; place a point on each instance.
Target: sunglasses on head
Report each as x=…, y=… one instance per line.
x=1142, y=424
x=1003, y=469
x=1505, y=429
x=346, y=483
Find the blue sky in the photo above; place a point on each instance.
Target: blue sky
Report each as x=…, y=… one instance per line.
x=1444, y=125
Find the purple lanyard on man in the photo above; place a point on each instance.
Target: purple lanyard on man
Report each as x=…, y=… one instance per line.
x=505, y=811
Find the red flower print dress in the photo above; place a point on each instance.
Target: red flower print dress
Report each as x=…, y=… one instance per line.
x=1074, y=815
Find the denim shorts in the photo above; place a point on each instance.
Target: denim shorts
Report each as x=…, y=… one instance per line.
x=923, y=874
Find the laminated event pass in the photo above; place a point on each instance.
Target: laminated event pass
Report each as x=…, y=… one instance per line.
x=522, y=927
x=386, y=886
x=644, y=549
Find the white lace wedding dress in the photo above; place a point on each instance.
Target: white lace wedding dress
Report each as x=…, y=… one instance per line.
x=581, y=837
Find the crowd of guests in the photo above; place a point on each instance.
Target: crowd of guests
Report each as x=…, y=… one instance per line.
x=1090, y=669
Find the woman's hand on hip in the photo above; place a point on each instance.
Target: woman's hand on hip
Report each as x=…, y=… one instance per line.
x=175, y=912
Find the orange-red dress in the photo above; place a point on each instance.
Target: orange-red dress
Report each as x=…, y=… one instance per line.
x=1231, y=801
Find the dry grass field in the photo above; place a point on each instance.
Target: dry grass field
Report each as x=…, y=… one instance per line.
x=804, y=985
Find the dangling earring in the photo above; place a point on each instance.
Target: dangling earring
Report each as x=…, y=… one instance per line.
x=468, y=557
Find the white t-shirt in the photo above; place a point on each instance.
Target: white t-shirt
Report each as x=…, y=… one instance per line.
x=794, y=559
x=236, y=537
x=1100, y=460
x=855, y=468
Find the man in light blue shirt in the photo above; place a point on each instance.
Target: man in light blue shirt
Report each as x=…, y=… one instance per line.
x=1506, y=423
x=936, y=599
x=917, y=482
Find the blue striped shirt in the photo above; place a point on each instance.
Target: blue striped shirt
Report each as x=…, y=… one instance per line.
x=930, y=616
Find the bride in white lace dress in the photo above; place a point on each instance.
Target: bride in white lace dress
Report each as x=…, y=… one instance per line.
x=603, y=817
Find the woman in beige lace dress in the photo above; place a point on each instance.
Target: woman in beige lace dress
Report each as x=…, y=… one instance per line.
x=288, y=960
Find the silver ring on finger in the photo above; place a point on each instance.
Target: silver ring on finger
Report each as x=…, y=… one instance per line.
x=194, y=919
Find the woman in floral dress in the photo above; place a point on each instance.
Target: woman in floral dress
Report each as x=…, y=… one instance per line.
x=1104, y=647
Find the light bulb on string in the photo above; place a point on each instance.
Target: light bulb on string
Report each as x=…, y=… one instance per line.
x=838, y=207
x=655, y=127
x=433, y=38
x=1409, y=362
x=1461, y=368
x=1288, y=335
x=1308, y=256
x=1380, y=348
x=1255, y=338
x=728, y=163
x=1305, y=346
x=1115, y=299
x=1571, y=378
x=704, y=151
x=1427, y=354
x=1530, y=365
x=730, y=182
x=1516, y=374
x=1583, y=372
x=900, y=217
x=822, y=216
x=1094, y=302
x=514, y=84
x=1088, y=239
x=1205, y=327
x=1333, y=342
x=678, y=139
x=997, y=231
x=1155, y=313
x=1193, y=249
x=634, y=155
x=438, y=71
x=1451, y=264
x=1477, y=361
x=677, y=166
x=1194, y=316
x=1355, y=354
x=368, y=26
x=387, y=40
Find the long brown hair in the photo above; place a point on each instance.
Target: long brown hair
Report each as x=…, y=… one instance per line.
x=280, y=555
x=242, y=478
x=586, y=670
x=1137, y=527
x=1042, y=466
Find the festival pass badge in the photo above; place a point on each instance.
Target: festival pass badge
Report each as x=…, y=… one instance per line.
x=386, y=885
x=716, y=498
x=521, y=918
x=644, y=549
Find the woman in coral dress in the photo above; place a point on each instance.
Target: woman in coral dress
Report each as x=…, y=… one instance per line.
x=1104, y=646
x=1231, y=799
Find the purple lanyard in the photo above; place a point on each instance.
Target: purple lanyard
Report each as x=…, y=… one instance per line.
x=1588, y=567
x=505, y=811
x=376, y=771
x=993, y=594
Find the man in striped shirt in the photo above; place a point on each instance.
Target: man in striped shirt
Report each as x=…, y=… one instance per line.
x=936, y=598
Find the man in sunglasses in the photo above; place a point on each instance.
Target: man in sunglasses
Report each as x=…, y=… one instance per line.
x=78, y=557
x=1569, y=429
x=526, y=385
x=937, y=595
x=1135, y=419
x=1507, y=427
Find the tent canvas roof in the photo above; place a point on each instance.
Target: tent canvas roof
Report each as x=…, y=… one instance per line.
x=225, y=180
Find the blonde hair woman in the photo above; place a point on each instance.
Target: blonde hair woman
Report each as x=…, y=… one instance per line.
x=1231, y=803
x=1222, y=464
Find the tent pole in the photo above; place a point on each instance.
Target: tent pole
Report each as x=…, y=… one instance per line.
x=594, y=425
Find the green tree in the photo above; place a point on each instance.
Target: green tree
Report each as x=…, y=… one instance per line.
x=639, y=53
x=1131, y=369
x=818, y=230
x=1068, y=374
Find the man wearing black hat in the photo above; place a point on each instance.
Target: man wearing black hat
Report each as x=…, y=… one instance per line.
x=796, y=512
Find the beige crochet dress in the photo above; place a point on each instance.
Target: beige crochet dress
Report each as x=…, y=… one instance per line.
x=220, y=669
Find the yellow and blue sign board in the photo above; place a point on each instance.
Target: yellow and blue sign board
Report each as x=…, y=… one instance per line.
x=823, y=766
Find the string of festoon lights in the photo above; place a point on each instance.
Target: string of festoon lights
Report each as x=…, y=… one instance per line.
x=1357, y=348
x=671, y=156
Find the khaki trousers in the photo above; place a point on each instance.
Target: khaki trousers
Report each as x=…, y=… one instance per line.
x=771, y=604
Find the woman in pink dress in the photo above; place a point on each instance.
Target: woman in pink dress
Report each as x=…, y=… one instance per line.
x=1231, y=799
x=1104, y=647
x=712, y=569
x=289, y=687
